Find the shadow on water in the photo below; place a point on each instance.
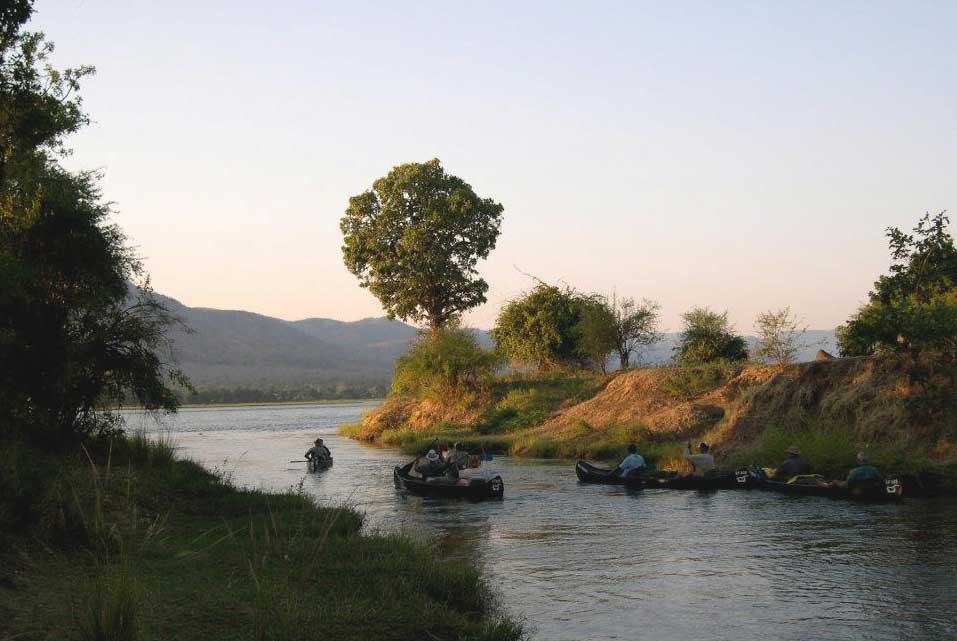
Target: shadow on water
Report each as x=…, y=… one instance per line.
x=604, y=562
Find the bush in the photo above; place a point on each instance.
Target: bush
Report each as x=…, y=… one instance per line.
x=443, y=361
x=708, y=336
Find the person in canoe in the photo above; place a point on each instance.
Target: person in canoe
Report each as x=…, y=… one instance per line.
x=634, y=463
x=318, y=452
x=862, y=476
x=794, y=465
x=458, y=456
x=702, y=462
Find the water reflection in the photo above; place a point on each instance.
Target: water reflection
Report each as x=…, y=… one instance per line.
x=594, y=562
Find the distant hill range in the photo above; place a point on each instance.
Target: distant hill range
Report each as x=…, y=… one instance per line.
x=240, y=349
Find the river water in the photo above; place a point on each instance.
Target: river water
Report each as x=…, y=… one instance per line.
x=597, y=562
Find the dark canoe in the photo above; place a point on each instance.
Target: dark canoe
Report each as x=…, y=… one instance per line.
x=316, y=465
x=476, y=490
x=588, y=473
x=888, y=490
x=739, y=480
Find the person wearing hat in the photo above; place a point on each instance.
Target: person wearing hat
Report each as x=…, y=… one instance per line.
x=793, y=465
x=318, y=452
x=431, y=466
x=702, y=462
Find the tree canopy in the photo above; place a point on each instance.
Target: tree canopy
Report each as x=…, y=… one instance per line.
x=914, y=308
x=73, y=336
x=414, y=240
x=556, y=327
x=707, y=336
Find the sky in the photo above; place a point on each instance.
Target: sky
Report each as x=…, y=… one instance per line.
x=739, y=155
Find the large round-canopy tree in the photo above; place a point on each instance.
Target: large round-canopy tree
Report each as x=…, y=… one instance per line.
x=414, y=239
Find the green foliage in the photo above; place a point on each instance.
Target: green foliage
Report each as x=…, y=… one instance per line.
x=915, y=307
x=113, y=607
x=596, y=332
x=553, y=328
x=529, y=402
x=538, y=328
x=443, y=361
x=229, y=564
x=636, y=326
x=708, y=336
x=414, y=240
x=72, y=338
x=779, y=336
x=691, y=381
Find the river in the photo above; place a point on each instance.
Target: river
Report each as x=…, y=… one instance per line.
x=597, y=562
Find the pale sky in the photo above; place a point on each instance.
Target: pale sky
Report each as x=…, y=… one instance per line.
x=743, y=156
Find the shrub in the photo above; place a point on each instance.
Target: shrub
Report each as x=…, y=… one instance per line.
x=708, y=336
x=445, y=360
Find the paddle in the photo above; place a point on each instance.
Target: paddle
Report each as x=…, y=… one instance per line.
x=302, y=461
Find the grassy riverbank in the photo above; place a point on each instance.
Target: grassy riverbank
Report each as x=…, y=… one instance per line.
x=903, y=413
x=130, y=543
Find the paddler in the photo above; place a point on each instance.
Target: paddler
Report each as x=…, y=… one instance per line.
x=318, y=452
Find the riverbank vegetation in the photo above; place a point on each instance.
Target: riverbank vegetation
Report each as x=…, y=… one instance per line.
x=121, y=540
x=544, y=391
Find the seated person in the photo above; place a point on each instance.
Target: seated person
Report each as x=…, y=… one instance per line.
x=864, y=475
x=702, y=462
x=458, y=456
x=632, y=464
x=794, y=465
x=318, y=452
x=431, y=466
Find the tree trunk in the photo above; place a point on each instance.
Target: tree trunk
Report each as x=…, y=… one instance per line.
x=625, y=357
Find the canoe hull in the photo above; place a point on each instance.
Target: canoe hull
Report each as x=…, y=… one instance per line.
x=890, y=490
x=588, y=473
x=476, y=490
x=319, y=466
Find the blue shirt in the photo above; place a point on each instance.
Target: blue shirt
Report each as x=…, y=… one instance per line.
x=632, y=462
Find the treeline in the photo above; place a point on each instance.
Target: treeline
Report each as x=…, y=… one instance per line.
x=285, y=394
x=415, y=238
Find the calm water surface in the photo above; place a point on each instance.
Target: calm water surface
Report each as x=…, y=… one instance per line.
x=591, y=562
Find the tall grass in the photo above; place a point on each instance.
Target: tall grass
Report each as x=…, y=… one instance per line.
x=112, y=608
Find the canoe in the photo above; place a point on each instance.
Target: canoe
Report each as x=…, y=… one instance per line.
x=722, y=481
x=888, y=490
x=473, y=489
x=588, y=473
x=318, y=465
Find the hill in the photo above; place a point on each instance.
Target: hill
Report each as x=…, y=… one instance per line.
x=234, y=348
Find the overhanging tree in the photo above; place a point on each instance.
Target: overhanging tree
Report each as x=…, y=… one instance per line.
x=73, y=337
x=414, y=240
